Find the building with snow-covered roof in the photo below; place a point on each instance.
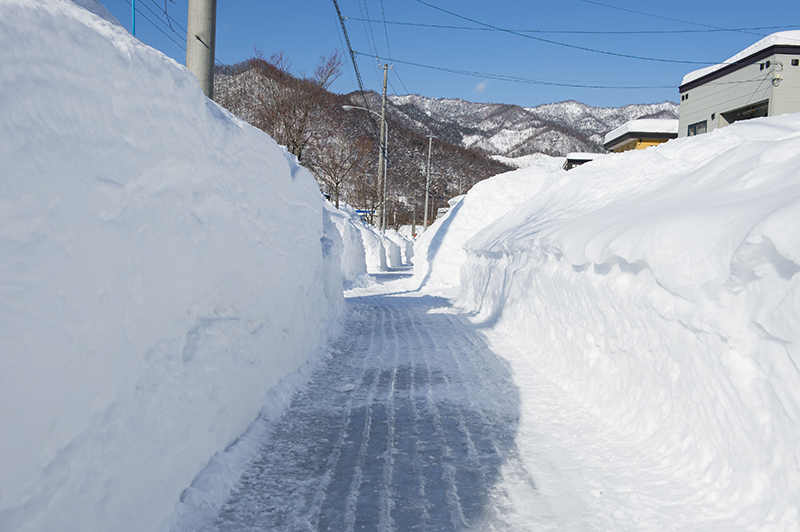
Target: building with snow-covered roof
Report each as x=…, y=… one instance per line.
x=578, y=158
x=640, y=134
x=762, y=80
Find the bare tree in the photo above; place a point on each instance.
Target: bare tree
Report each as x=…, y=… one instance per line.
x=335, y=159
x=286, y=106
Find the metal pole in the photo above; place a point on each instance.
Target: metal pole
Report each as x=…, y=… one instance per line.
x=133, y=17
x=427, y=185
x=200, y=42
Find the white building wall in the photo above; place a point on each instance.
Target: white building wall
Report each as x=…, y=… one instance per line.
x=743, y=87
x=787, y=94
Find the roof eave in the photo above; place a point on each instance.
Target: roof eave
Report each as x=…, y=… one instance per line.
x=741, y=63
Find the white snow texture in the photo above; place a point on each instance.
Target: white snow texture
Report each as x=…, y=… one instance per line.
x=162, y=265
x=658, y=290
x=168, y=272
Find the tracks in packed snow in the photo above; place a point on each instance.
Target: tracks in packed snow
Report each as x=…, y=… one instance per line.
x=417, y=444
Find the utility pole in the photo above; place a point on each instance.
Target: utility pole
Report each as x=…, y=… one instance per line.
x=200, y=41
x=427, y=185
x=382, y=156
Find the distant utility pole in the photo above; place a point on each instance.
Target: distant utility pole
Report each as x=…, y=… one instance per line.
x=427, y=185
x=382, y=163
x=200, y=39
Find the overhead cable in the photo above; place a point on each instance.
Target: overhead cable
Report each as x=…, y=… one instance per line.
x=557, y=43
x=666, y=18
x=577, y=32
x=516, y=79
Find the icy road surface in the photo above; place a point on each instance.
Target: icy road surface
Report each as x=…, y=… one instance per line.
x=405, y=428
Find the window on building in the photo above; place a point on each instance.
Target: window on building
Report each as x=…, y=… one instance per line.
x=795, y=62
x=698, y=129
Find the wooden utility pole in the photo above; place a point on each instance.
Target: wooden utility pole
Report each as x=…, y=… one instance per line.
x=200, y=41
x=382, y=162
x=427, y=185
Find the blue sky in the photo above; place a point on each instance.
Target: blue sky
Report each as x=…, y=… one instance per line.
x=554, y=51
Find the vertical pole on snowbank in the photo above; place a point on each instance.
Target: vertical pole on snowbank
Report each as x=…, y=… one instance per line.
x=427, y=185
x=382, y=157
x=133, y=18
x=200, y=41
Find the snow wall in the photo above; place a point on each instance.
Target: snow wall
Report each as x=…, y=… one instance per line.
x=162, y=266
x=439, y=252
x=660, y=290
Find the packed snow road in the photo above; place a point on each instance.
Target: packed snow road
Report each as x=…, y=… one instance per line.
x=406, y=427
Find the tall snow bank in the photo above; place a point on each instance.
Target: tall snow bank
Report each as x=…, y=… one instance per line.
x=162, y=266
x=438, y=252
x=660, y=289
x=353, y=254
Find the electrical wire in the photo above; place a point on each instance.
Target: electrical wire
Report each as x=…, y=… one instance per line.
x=168, y=36
x=386, y=30
x=156, y=26
x=577, y=32
x=665, y=18
x=516, y=79
x=566, y=45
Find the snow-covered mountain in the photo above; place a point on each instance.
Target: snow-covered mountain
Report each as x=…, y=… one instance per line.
x=513, y=131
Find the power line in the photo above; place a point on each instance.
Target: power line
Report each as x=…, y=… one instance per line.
x=401, y=81
x=170, y=20
x=516, y=79
x=573, y=46
x=665, y=18
x=352, y=58
x=168, y=36
x=156, y=26
x=386, y=30
x=575, y=32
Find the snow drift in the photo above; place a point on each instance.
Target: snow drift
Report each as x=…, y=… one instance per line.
x=162, y=266
x=659, y=290
x=438, y=252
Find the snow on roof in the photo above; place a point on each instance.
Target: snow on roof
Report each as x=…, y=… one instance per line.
x=644, y=125
x=583, y=156
x=780, y=38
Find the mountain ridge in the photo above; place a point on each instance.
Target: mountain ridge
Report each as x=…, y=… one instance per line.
x=512, y=131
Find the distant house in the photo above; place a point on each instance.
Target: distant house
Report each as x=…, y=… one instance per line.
x=763, y=80
x=641, y=134
x=578, y=158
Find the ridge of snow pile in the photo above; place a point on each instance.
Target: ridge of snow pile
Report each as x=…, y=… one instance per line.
x=660, y=290
x=439, y=253
x=791, y=37
x=353, y=254
x=163, y=265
